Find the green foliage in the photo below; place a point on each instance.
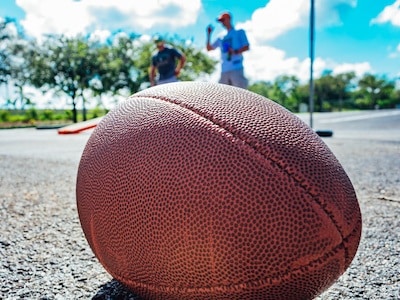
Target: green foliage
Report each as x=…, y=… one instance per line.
x=85, y=70
x=47, y=115
x=6, y=37
x=363, y=103
x=332, y=92
x=385, y=103
x=4, y=115
x=67, y=65
x=376, y=90
x=97, y=112
x=282, y=91
x=261, y=87
x=31, y=115
x=197, y=64
x=68, y=115
x=76, y=66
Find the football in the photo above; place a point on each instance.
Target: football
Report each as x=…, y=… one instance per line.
x=195, y=190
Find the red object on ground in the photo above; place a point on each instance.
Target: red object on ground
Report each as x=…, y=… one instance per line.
x=79, y=127
x=195, y=190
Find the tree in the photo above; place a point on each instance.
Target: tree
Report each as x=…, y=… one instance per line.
x=277, y=93
x=118, y=71
x=342, y=84
x=373, y=89
x=7, y=37
x=125, y=60
x=324, y=91
x=283, y=90
x=22, y=52
x=331, y=90
x=80, y=68
x=198, y=63
x=117, y=67
x=301, y=93
x=287, y=88
x=395, y=98
x=262, y=88
x=67, y=65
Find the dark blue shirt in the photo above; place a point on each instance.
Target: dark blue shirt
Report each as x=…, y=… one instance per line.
x=165, y=62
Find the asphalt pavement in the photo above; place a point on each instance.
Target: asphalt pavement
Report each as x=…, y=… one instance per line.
x=44, y=255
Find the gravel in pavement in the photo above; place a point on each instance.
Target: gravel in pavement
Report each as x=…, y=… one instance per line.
x=44, y=254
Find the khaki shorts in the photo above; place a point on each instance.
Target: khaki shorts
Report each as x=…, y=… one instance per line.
x=235, y=77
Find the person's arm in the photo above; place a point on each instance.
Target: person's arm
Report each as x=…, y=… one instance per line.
x=180, y=64
x=152, y=75
x=243, y=41
x=241, y=50
x=208, y=43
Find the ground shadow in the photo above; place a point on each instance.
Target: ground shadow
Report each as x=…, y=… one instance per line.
x=114, y=290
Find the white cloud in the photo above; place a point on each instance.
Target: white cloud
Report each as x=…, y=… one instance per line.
x=59, y=17
x=327, y=12
x=264, y=62
x=358, y=68
x=100, y=35
x=267, y=63
x=277, y=17
x=281, y=16
x=78, y=17
x=390, y=14
x=394, y=53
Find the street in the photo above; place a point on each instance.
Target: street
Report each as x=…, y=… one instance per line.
x=47, y=144
x=44, y=253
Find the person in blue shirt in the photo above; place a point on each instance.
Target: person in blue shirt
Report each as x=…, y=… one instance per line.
x=232, y=45
x=167, y=62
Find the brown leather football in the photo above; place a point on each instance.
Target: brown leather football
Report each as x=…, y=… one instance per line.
x=195, y=190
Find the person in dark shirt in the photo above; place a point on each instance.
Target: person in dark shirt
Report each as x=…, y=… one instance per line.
x=167, y=62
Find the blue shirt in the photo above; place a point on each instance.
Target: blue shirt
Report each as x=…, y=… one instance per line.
x=234, y=39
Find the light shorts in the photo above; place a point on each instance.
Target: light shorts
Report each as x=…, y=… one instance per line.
x=234, y=77
x=168, y=80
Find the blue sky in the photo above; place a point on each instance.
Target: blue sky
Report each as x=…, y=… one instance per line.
x=351, y=35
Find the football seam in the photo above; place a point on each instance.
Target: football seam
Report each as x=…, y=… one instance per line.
x=231, y=288
x=237, y=135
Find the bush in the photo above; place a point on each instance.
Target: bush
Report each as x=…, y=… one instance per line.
x=386, y=103
x=31, y=115
x=363, y=103
x=4, y=115
x=68, y=115
x=47, y=115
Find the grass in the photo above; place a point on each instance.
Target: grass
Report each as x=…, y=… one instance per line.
x=42, y=118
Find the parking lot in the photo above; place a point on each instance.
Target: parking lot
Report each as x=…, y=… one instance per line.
x=44, y=254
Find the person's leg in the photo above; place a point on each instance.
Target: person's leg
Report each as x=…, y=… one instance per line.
x=224, y=78
x=238, y=79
